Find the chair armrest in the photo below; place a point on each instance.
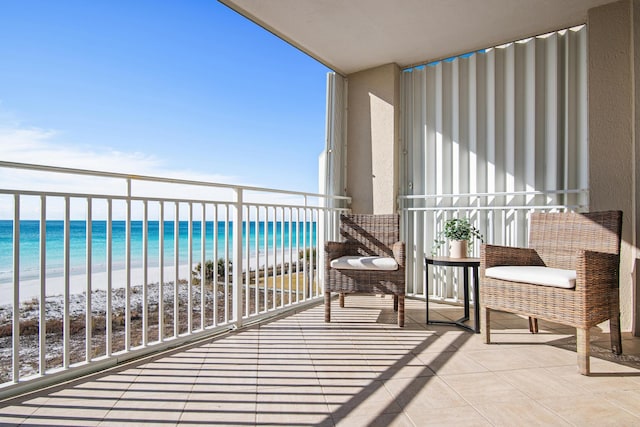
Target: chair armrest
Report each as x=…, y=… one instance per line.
x=494, y=255
x=333, y=250
x=597, y=272
x=399, y=253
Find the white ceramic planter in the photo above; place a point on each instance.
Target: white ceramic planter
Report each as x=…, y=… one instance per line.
x=458, y=249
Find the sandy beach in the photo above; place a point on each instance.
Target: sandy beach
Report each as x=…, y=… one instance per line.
x=30, y=289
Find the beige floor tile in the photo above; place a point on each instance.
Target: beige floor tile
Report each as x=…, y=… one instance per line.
x=294, y=405
x=522, y=337
x=483, y=387
x=374, y=420
x=374, y=397
x=12, y=420
x=426, y=393
x=596, y=383
x=592, y=410
x=108, y=386
x=15, y=414
x=71, y=415
x=474, y=343
x=445, y=363
x=156, y=384
x=446, y=417
x=337, y=381
x=500, y=359
x=447, y=339
x=216, y=411
x=629, y=401
x=88, y=401
x=242, y=376
x=142, y=416
x=335, y=395
x=550, y=356
x=603, y=367
x=154, y=400
x=523, y=357
x=411, y=371
x=135, y=422
x=96, y=391
x=538, y=382
x=523, y=412
x=20, y=408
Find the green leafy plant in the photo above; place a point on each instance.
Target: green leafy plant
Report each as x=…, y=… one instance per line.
x=456, y=229
x=309, y=254
x=208, y=271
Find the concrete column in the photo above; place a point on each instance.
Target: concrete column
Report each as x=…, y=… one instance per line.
x=372, y=139
x=614, y=34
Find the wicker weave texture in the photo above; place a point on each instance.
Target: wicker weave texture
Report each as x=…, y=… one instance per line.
x=588, y=243
x=370, y=235
x=559, y=237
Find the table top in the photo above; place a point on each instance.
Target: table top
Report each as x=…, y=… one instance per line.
x=455, y=262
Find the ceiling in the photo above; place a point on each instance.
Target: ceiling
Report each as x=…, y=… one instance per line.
x=354, y=35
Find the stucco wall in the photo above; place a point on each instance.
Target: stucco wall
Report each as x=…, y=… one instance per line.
x=612, y=124
x=636, y=133
x=372, y=139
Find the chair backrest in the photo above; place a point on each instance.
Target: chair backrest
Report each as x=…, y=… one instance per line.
x=556, y=236
x=371, y=235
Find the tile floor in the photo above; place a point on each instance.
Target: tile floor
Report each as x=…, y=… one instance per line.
x=359, y=370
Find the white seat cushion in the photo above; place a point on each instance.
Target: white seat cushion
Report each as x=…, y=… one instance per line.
x=364, y=263
x=545, y=276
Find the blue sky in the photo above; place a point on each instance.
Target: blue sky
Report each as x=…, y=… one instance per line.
x=185, y=89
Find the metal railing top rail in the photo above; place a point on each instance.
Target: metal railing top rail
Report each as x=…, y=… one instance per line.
x=492, y=208
x=494, y=194
x=104, y=174
x=98, y=196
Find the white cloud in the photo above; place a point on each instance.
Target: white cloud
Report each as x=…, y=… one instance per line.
x=43, y=147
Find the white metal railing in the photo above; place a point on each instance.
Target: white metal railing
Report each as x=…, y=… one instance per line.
x=502, y=218
x=99, y=267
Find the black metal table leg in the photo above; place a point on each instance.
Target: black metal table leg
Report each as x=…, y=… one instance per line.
x=465, y=263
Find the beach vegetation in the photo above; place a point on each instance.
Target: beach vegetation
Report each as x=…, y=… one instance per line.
x=221, y=269
x=309, y=254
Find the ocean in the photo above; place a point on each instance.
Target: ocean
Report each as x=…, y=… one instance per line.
x=30, y=244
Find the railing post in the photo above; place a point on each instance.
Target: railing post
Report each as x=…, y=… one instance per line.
x=66, y=332
x=43, y=286
x=237, y=258
x=89, y=268
x=15, y=344
x=127, y=263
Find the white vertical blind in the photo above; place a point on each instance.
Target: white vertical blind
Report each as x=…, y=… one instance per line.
x=504, y=120
x=509, y=118
x=336, y=150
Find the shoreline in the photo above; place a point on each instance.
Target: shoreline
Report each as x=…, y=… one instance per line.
x=30, y=289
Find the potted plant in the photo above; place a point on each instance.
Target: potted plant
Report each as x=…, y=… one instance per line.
x=460, y=233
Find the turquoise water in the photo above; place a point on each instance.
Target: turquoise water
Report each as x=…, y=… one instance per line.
x=30, y=244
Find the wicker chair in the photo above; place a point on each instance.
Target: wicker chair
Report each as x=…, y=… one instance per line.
x=364, y=262
x=584, y=246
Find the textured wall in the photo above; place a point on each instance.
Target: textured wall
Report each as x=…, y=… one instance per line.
x=612, y=145
x=372, y=139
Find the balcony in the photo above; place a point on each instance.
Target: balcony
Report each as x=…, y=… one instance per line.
x=257, y=351
x=358, y=370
